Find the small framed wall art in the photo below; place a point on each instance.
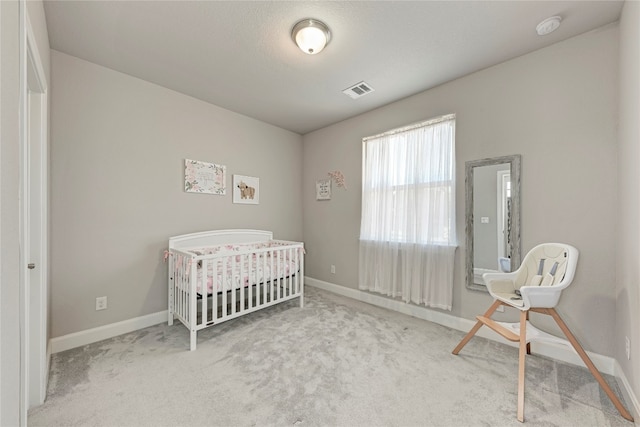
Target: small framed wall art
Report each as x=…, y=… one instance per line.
x=202, y=177
x=246, y=190
x=323, y=189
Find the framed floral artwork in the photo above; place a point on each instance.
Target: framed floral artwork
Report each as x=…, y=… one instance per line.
x=246, y=190
x=323, y=189
x=202, y=177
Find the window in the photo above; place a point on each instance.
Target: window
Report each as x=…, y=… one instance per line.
x=408, y=191
x=408, y=203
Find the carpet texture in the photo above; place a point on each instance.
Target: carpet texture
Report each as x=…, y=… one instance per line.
x=336, y=362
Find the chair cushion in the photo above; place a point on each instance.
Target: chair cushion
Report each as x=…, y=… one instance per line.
x=551, y=254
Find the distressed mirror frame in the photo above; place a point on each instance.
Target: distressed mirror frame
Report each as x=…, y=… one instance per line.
x=514, y=164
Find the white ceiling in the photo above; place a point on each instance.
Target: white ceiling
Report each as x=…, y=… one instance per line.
x=239, y=54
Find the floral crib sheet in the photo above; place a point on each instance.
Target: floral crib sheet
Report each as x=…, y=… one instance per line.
x=245, y=269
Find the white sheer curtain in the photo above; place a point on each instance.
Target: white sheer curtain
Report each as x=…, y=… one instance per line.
x=407, y=231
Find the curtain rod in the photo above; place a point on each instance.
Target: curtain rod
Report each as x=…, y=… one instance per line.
x=412, y=126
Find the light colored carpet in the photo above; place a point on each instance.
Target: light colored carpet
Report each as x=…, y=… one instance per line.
x=336, y=362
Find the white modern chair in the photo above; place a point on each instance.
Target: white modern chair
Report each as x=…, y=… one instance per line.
x=536, y=286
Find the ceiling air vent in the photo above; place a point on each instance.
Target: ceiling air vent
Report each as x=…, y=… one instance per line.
x=358, y=90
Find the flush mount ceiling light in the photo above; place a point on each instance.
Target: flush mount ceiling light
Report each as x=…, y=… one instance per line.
x=311, y=35
x=549, y=25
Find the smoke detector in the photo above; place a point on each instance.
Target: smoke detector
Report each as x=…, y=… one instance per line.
x=548, y=26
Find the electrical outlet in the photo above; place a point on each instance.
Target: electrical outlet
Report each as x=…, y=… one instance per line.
x=627, y=343
x=101, y=303
x=333, y=269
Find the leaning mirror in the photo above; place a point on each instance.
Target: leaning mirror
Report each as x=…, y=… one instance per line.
x=492, y=217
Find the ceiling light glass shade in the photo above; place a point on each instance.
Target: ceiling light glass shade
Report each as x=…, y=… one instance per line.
x=311, y=36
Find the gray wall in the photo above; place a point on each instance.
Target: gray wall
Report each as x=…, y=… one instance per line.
x=557, y=107
x=9, y=190
x=117, y=177
x=628, y=250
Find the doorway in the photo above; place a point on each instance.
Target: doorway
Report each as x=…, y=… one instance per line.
x=34, y=292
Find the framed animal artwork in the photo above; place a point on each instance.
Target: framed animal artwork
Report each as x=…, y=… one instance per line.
x=246, y=190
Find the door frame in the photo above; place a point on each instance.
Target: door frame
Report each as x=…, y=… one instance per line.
x=34, y=356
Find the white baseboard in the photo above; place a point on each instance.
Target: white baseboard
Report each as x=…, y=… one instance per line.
x=78, y=339
x=629, y=396
x=560, y=352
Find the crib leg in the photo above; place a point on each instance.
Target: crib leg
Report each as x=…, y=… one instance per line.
x=194, y=338
x=170, y=318
x=301, y=301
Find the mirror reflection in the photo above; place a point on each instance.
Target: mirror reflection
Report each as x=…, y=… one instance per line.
x=493, y=229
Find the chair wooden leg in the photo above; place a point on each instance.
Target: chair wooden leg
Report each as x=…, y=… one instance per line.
x=587, y=361
x=476, y=327
x=521, y=363
x=528, y=344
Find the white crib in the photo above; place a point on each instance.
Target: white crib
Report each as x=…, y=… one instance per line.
x=218, y=275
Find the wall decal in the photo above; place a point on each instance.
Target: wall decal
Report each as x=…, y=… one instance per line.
x=338, y=177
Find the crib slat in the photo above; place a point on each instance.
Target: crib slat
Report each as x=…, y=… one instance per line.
x=274, y=274
x=234, y=273
x=176, y=296
x=185, y=289
x=294, y=273
x=243, y=262
x=299, y=259
x=192, y=300
x=285, y=276
x=225, y=265
x=290, y=275
x=250, y=302
x=183, y=270
x=283, y=269
x=204, y=291
x=219, y=267
x=281, y=273
x=182, y=287
x=271, y=271
x=176, y=285
x=264, y=278
x=279, y=281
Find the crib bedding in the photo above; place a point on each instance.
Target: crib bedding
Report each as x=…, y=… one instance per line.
x=246, y=271
x=234, y=248
x=232, y=266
